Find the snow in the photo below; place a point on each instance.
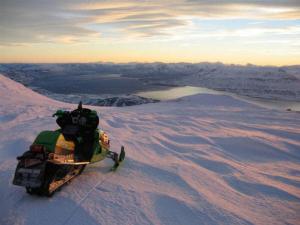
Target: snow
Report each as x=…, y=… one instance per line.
x=70, y=80
x=202, y=159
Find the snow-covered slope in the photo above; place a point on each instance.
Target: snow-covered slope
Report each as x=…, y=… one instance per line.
x=198, y=160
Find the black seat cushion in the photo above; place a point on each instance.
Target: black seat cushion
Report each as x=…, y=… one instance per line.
x=70, y=131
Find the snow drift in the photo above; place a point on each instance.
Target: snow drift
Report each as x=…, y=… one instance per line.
x=202, y=159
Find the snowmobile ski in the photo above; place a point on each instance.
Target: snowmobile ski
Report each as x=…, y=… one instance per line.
x=118, y=159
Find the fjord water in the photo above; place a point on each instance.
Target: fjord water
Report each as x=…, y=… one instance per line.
x=178, y=92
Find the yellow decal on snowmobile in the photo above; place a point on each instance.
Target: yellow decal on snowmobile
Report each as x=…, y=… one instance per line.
x=103, y=138
x=64, y=150
x=63, y=146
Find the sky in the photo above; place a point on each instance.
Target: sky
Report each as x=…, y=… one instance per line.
x=263, y=32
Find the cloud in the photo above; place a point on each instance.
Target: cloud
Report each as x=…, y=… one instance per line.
x=138, y=16
x=38, y=22
x=69, y=21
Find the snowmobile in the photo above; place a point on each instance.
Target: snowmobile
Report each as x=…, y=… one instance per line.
x=56, y=157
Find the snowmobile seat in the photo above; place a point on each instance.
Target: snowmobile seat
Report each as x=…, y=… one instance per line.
x=80, y=126
x=70, y=131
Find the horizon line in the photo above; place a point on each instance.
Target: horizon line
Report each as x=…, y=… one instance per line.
x=153, y=62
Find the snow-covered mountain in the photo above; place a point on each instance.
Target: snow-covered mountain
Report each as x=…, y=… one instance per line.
x=106, y=100
x=203, y=159
x=267, y=82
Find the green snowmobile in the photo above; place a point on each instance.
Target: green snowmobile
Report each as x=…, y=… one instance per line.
x=56, y=157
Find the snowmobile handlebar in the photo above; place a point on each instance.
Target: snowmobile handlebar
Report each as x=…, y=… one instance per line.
x=59, y=113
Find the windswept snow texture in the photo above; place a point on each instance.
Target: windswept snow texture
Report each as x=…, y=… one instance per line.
x=202, y=159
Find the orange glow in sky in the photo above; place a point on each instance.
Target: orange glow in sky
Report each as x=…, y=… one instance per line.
x=238, y=32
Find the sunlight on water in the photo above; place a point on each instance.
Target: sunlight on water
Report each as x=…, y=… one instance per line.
x=176, y=92
x=179, y=92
